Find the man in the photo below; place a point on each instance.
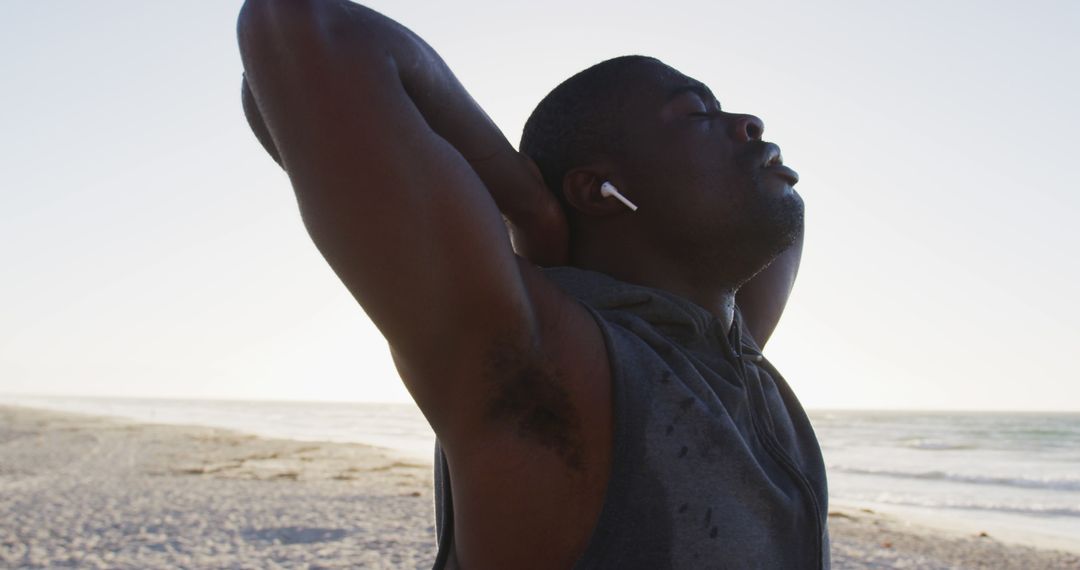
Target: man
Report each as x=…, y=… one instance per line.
x=612, y=413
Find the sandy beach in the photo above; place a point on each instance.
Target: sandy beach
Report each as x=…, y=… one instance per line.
x=91, y=492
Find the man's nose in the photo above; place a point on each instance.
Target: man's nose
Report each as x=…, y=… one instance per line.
x=747, y=128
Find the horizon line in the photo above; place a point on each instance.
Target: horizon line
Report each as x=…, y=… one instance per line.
x=809, y=410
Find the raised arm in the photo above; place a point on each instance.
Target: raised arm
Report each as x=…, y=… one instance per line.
x=762, y=299
x=536, y=221
x=373, y=130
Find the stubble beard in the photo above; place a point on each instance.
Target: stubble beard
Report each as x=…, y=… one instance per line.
x=747, y=247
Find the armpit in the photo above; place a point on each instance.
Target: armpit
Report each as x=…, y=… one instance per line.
x=530, y=398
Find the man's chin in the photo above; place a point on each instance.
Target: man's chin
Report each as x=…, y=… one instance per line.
x=783, y=225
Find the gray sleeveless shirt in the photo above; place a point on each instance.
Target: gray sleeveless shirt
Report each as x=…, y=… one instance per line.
x=714, y=464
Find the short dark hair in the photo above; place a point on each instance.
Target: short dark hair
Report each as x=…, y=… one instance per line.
x=579, y=119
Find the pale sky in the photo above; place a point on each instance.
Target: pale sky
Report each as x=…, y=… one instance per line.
x=149, y=248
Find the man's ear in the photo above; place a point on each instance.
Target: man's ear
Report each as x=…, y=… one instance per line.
x=581, y=187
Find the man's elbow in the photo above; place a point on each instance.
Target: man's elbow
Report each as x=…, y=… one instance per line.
x=264, y=27
x=286, y=36
x=257, y=123
x=259, y=19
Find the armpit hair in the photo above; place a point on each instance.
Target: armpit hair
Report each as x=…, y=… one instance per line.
x=529, y=396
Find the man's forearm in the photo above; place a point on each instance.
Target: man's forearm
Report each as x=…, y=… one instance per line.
x=455, y=116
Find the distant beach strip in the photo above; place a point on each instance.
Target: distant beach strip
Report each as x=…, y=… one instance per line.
x=106, y=483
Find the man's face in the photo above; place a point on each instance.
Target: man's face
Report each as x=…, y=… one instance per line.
x=705, y=182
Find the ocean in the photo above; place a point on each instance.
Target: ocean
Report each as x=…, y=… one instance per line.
x=1010, y=473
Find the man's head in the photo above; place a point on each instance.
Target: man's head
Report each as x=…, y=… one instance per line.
x=710, y=201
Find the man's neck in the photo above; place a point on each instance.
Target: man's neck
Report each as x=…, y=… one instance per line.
x=662, y=273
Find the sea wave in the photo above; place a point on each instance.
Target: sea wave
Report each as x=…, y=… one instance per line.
x=1050, y=483
x=1031, y=509
x=935, y=444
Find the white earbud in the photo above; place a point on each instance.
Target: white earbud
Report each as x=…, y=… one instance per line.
x=608, y=190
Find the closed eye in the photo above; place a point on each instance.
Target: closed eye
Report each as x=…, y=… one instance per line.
x=707, y=114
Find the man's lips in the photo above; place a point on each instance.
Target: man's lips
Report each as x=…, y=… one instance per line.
x=772, y=162
x=784, y=172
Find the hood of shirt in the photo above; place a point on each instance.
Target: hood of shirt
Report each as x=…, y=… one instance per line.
x=676, y=316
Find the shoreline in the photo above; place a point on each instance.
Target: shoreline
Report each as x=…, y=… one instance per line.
x=927, y=521
x=103, y=492
x=870, y=538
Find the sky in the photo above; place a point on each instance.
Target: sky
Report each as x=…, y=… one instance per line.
x=149, y=248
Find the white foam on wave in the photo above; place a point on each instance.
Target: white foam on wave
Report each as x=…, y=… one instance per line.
x=1028, y=482
x=1032, y=509
x=935, y=444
